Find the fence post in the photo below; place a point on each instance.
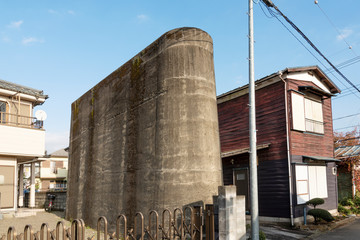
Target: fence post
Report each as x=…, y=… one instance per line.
x=232, y=222
x=209, y=222
x=198, y=222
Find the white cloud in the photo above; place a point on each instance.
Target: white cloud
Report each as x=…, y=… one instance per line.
x=29, y=40
x=61, y=13
x=51, y=11
x=16, y=24
x=142, y=17
x=56, y=140
x=344, y=33
x=6, y=39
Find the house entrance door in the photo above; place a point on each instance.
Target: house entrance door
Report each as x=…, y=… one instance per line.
x=241, y=179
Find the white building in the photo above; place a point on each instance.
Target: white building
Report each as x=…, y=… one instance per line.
x=22, y=141
x=53, y=170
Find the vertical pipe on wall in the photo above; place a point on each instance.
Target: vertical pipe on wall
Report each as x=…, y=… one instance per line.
x=21, y=185
x=288, y=150
x=32, y=186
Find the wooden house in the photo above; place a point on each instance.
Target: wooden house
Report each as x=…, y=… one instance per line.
x=294, y=142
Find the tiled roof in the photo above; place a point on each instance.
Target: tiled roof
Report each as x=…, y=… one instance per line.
x=347, y=151
x=60, y=153
x=22, y=89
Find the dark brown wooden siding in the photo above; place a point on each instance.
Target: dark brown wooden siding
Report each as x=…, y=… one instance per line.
x=270, y=121
x=273, y=182
x=273, y=178
x=313, y=144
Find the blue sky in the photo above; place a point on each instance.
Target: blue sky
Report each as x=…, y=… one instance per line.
x=66, y=47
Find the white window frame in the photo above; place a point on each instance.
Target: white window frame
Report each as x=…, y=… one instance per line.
x=307, y=114
x=314, y=121
x=311, y=182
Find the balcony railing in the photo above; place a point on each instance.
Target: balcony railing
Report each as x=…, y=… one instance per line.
x=20, y=121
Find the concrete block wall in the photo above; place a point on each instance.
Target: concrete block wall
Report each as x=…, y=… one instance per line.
x=232, y=219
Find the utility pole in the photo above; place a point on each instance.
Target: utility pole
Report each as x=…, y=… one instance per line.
x=254, y=208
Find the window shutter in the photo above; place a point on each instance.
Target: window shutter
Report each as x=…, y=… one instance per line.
x=297, y=107
x=317, y=182
x=313, y=187
x=321, y=181
x=302, y=189
x=314, y=116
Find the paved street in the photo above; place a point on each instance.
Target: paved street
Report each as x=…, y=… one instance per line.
x=348, y=232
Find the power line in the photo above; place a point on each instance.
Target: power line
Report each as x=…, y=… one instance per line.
x=347, y=127
x=346, y=63
x=270, y=4
x=336, y=29
x=274, y=14
x=346, y=116
x=346, y=90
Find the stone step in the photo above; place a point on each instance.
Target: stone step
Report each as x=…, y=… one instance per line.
x=25, y=214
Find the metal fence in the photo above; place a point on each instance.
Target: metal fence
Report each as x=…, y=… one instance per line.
x=186, y=224
x=20, y=120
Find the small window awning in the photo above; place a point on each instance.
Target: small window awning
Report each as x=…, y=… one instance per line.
x=315, y=90
x=243, y=150
x=317, y=158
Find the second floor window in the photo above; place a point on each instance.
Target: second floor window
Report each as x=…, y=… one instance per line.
x=313, y=116
x=307, y=113
x=53, y=167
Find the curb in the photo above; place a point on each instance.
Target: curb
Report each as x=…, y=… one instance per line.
x=333, y=226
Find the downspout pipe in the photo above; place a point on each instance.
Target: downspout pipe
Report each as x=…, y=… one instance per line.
x=288, y=149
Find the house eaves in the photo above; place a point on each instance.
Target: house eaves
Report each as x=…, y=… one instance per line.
x=276, y=77
x=10, y=89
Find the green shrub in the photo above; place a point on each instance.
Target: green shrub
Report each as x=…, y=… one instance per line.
x=262, y=235
x=347, y=202
x=315, y=201
x=357, y=200
x=319, y=213
x=354, y=210
x=343, y=210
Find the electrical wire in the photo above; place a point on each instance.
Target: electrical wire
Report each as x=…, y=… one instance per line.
x=346, y=116
x=336, y=29
x=348, y=89
x=346, y=63
x=270, y=4
x=347, y=127
x=273, y=15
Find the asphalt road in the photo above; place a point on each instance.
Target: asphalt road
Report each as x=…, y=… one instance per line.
x=349, y=232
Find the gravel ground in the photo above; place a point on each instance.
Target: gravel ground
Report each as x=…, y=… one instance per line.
x=36, y=221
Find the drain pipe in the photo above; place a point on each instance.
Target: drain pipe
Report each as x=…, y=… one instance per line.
x=288, y=149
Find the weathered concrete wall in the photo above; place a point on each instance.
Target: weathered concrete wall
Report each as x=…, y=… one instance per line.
x=146, y=137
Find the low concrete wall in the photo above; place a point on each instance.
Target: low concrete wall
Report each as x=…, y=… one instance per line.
x=41, y=200
x=232, y=221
